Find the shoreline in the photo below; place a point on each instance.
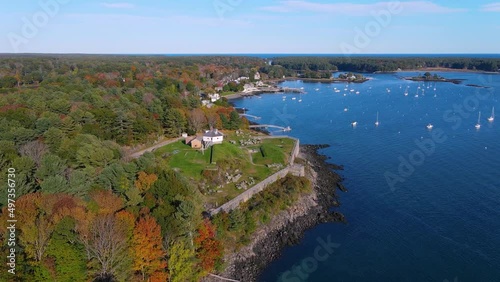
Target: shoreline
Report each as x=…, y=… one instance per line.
x=445, y=70
x=320, y=80
x=288, y=227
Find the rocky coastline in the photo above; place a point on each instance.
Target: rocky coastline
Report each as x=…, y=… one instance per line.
x=288, y=227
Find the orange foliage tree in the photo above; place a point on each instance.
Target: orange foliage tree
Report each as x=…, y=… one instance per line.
x=145, y=181
x=149, y=256
x=208, y=248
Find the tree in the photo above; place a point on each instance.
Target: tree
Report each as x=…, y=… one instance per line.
x=54, y=184
x=38, y=215
x=94, y=155
x=34, y=150
x=25, y=179
x=107, y=246
x=105, y=202
x=234, y=120
x=208, y=248
x=197, y=119
x=53, y=138
x=182, y=262
x=68, y=252
x=174, y=122
x=145, y=181
x=50, y=165
x=149, y=256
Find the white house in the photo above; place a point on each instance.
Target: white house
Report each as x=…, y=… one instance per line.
x=256, y=76
x=214, y=97
x=213, y=137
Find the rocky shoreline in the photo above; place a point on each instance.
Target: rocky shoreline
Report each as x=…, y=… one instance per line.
x=288, y=227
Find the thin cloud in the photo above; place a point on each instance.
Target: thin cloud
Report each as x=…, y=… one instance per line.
x=184, y=20
x=359, y=9
x=122, y=5
x=493, y=7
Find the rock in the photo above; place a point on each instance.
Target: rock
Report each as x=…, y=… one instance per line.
x=288, y=227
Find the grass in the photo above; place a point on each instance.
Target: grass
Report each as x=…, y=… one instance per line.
x=191, y=163
x=226, y=93
x=275, y=151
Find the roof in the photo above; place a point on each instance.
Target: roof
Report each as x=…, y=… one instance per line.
x=213, y=133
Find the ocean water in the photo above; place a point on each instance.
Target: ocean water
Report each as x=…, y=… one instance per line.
x=438, y=219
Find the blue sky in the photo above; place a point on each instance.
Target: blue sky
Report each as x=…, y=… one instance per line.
x=249, y=26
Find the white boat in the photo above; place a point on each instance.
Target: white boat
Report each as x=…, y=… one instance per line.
x=357, y=92
x=337, y=91
x=430, y=126
x=346, y=109
x=294, y=98
x=478, y=125
x=377, y=123
x=317, y=89
x=492, y=117
x=354, y=123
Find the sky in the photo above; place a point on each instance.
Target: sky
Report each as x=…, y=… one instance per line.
x=249, y=26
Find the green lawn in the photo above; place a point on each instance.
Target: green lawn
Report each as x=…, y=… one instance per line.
x=275, y=150
x=192, y=163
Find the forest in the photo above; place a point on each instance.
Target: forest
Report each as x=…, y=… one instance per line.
x=85, y=211
x=323, y=66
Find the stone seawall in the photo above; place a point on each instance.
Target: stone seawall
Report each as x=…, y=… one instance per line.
x=297, y=170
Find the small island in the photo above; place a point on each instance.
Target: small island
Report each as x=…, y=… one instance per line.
x=428, y=77
x=351, y=77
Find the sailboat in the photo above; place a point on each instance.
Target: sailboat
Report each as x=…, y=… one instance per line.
x=478, y=125
x=492, y=117
x=300, y=97
x=377, y=123
x=430, y=126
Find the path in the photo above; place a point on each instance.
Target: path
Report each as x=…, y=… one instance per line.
x=154, y=147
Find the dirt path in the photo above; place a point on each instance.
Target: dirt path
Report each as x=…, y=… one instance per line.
x=154, y=147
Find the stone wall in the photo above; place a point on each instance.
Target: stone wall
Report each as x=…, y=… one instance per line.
x=297, y=170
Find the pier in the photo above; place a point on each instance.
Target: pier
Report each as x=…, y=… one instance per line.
x=250, y=116
x=288, y=128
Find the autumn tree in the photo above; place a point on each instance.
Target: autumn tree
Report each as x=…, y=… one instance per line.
x=149, y=256
x=208, y=248
x=145, y=181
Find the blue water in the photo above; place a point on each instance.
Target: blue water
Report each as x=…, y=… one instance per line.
x=442, y=223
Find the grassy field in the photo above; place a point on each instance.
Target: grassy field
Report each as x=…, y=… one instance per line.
x=274, y=151
x=249, y=160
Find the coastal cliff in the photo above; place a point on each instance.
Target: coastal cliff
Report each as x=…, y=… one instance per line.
x=287, y=227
